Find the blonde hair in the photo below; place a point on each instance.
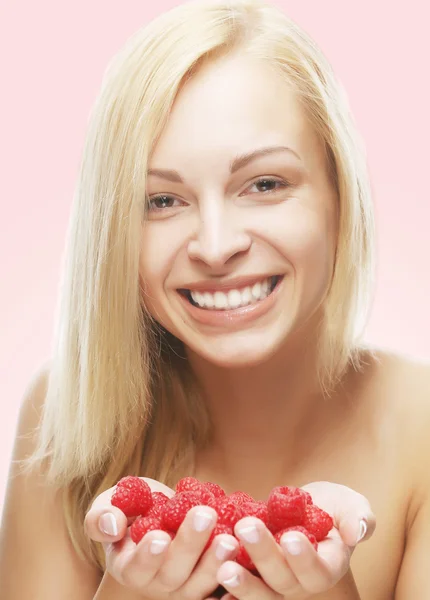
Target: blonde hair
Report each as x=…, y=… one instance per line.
x=120, y=399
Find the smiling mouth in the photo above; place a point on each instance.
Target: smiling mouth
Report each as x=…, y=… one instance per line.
x=233, y=298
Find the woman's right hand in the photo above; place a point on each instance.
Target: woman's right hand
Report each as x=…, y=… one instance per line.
x=158, y=567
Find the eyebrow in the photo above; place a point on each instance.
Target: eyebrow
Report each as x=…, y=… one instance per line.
x=237, y=163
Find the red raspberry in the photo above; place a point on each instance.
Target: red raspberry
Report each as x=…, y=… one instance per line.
x=217, y=530
x=159, y=498
x=133, y=496
x=206, y=497
x=303, y=530
x=286, y=508
x=142, y=525
x=154, y=511
x=188, y=484
x=191, y=484
x=216, y=489
x=244, y=559
x=308, y=497
x=317, y=521
x=228, y=512
x=175, y=510
x=241, y=497
x=256, y=509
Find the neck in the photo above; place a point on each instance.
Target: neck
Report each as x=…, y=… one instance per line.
x=265, y=418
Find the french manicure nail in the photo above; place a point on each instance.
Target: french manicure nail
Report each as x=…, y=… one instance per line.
x=362, y=531
x=293, y=545
x=108, y=524
x=232, y=582
x=158, y=546
x=249, y=534
x=223, y=550
x=202, y=520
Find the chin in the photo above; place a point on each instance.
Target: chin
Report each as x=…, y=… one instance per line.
x=237, y=352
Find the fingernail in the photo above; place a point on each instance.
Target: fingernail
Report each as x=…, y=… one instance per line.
x=158, y=546
x=293, y=545
x=249, y=534
x=232, y=582
x=223, y=550
x=202, y=520
x=108, y=525
x=231, y=577
x=362, y=531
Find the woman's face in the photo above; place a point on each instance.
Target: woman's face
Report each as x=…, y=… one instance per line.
x=239, y=242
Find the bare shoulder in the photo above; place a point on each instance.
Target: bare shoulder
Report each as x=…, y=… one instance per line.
x=36, y=555
x=401, y=390
x=405, y=378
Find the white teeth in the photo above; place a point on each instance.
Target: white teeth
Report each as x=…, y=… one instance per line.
x=246, y=296
x=233, y=298
x=220, y=300
x=208, y=300
x=256, y=291
x=198, y=298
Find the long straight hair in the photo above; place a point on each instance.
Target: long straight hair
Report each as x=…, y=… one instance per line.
x=121, y=398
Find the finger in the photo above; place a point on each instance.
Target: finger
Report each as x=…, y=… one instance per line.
x=242, y=584
x=136, y=565
x=187, y=547
x=104, y=522
x=351, y=511
x=316, y=571
x=266, y=554
x=356, y=526
x=224, y=547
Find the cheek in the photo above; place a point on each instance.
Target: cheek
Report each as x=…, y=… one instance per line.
x=307, y=238
x=154, y=262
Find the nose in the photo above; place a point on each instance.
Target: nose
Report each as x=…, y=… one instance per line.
x=220, y=236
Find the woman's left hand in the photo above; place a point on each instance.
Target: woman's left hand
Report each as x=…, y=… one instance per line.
x=294, y=570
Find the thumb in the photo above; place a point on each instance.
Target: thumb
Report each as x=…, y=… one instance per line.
x=356, y=526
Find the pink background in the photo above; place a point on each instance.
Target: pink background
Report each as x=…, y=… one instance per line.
x=53, y=55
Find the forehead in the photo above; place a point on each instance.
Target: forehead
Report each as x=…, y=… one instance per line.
x=235, y=104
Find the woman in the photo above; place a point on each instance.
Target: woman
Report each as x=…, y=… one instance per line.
x=216, y=284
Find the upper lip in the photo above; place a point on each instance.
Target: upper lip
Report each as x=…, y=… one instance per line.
x=209, y=285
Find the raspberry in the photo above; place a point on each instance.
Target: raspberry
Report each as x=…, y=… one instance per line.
x=286, y=508
x=188, y=484
x=206, y=497
x=216, y=489
x=317, y=521
x=228, y=512
x=133, y=496
x=256, y=509
x=308, y=496
x=217, y=530
x=191, y=484
x=244, y=559
x=159, y=498
x=241, y=497
x=155, y=511
x=175, y=510
x=303, y=530
x=142, y=525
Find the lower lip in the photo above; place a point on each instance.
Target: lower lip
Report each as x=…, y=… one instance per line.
x=244, y=314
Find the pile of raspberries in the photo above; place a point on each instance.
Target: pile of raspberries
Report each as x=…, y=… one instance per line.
x=287, y=509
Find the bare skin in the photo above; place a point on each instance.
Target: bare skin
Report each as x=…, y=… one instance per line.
x=271, y=423
x=365, y=438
